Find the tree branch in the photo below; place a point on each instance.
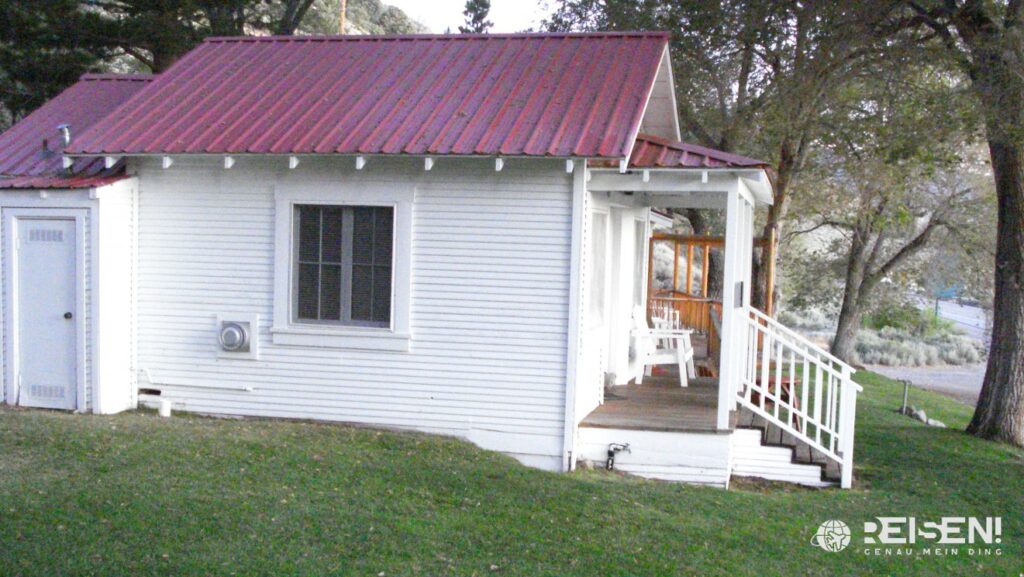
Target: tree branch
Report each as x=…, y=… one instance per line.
x=908, y=250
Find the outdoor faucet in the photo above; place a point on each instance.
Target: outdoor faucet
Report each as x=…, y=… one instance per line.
x=614, y=448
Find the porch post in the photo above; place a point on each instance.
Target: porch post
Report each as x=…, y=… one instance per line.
x=572, y=368
x=727, y=352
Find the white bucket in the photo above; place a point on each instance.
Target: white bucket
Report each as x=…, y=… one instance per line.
x=165, y=408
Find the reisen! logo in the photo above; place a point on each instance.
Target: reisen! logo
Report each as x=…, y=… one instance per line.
x=832, y=536
x=907, y=536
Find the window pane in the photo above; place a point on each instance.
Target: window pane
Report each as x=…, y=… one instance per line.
x=330, y=292
x=309, y=287
x=331, y=238
x=362, y=236
x=362, y=292
x=309, y=233
x=383, y=229
x=382, y=294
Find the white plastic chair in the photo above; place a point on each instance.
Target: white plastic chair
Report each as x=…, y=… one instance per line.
x=675, y=347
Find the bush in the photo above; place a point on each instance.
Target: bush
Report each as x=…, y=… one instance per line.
x=907, y=317
x=899, y=347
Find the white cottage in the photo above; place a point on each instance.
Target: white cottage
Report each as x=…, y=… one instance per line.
x=441, y=233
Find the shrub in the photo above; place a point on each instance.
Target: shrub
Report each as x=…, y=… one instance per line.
x=898, y=347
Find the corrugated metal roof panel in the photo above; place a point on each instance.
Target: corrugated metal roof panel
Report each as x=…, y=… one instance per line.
x=33, y=146
x=653, y=152
x=515, y=95
x=51, y=182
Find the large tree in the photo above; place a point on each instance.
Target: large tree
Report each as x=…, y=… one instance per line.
x=158, y=32
x=47, y=45
x=752, y=77
x=889, y=180
x=986, y=41
x=44, y=47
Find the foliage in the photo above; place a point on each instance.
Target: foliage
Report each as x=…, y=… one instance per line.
x=983, y=40
x=754, y=77
x=136, y=495
x=361, y=17
x=889, y=184
x=898, y=347
x=907, y=317
x=476, y=17
x=44, y=47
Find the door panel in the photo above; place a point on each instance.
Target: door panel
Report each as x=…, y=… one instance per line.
x=48, y=318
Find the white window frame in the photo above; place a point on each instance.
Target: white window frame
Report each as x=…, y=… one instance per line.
x=288, y=331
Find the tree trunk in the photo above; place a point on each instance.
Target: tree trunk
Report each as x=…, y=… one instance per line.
x=999, y=414
x=996, y=79
x=776, y=212
x=846, y=330
x=850, y=312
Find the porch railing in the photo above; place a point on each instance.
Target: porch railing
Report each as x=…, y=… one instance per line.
x=800, y=388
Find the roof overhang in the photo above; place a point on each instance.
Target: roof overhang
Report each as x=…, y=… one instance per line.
x=686, y=187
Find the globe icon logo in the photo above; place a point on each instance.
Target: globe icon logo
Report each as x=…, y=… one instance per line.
x=832, y=536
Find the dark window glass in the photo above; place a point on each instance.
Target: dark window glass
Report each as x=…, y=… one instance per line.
x=362, y=292
x=309, y=289
x=332, y=235
x=330, y=292
x=344, y=264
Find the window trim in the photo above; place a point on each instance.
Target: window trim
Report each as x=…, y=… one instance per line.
x=287, y=331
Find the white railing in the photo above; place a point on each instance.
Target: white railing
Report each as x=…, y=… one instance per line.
x=800, y=388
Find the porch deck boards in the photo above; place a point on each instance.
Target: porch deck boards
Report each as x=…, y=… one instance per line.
x=660, y=404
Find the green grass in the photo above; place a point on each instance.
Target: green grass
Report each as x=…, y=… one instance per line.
x=137, y=495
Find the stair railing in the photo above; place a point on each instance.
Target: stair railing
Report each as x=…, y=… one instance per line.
x=800, y=388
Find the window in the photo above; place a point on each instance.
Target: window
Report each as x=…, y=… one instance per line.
x=343, y=264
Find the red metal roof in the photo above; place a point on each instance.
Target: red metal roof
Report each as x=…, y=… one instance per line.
x=23, y=153
x=515, y=94
x=654, y=152
x=72, y=181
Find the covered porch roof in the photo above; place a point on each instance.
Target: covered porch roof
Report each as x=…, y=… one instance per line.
x=675, y=174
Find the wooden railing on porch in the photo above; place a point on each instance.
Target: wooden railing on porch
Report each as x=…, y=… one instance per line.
x=689, y=299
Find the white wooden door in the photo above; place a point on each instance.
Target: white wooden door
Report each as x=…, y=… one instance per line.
x=47, y=315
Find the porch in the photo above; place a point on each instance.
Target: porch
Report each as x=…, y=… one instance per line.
x=757, y=383
x=660, y=404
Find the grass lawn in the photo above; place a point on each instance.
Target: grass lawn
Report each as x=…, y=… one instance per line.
x=137, y=495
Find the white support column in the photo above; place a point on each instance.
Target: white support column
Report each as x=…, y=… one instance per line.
x=728, y=365
x=847, y=426
x=579, y=215
x=745, y=264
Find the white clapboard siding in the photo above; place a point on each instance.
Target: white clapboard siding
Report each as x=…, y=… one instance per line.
x=115, y=303
x=489, y=301
x=701, y=458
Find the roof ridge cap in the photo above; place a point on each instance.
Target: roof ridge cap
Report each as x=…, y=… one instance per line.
x=431, y=36
x=118, y=76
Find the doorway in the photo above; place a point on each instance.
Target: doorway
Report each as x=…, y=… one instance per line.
x=43, y=280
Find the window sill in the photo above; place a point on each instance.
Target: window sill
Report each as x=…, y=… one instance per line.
x=352, y=338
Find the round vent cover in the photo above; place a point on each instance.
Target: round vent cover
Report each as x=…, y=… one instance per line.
x=234, y=337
